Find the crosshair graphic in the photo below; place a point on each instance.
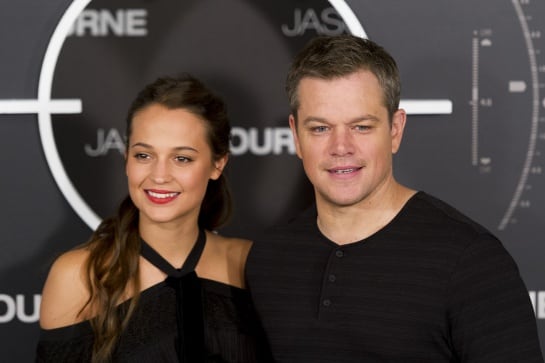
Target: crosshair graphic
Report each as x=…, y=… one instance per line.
x=44, y=106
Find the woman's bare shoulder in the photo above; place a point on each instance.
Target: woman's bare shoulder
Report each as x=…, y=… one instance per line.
x=65, y=292
x=231, y=253
x=235, y=249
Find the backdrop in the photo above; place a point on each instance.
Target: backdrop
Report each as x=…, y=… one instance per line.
x=472, y=75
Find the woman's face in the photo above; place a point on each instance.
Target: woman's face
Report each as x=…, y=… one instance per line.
x=168, y=164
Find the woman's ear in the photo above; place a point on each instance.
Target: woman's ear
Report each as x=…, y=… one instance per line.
x=125, y=156
x=219, y=165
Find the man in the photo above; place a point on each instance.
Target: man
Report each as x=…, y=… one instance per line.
x=375, y=271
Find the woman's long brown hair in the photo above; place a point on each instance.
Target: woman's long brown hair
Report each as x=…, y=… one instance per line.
x=112, y=267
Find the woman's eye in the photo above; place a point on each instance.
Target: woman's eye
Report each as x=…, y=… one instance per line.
x=141, y=156
x=183, y=159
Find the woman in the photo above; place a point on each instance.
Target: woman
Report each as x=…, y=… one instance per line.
x=153, y=284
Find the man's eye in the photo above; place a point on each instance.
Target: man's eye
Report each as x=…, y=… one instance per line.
x=319, y=129
x=362, y=127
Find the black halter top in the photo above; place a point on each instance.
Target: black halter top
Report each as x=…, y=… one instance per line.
x=190, y=344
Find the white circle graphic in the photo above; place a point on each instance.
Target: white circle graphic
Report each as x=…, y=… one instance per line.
x=49, y=146
x=44, y=117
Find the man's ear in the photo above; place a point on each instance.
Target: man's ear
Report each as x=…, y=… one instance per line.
x=398, y=126
x=293, y=128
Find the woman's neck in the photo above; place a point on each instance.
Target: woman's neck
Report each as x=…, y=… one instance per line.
x=172, y=241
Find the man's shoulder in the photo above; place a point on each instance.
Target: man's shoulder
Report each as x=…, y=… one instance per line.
x=429, y=221
x=433, y=212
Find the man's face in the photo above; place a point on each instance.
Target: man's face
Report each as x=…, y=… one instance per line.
x=344, y=138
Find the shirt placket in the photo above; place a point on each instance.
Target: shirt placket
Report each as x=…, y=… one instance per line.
x=330, y=282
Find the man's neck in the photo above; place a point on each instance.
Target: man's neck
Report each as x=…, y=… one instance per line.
x=348, y=224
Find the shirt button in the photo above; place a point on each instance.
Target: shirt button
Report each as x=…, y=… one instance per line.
x=332, y=278
x=326, y=303
x=339, y=253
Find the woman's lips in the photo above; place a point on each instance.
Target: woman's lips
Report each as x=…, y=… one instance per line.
x=161, y=197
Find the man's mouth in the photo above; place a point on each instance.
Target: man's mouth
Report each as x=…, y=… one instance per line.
x=343, y=170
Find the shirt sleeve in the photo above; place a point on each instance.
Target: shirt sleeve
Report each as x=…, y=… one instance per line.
x=490, y=313
x=63, y=345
